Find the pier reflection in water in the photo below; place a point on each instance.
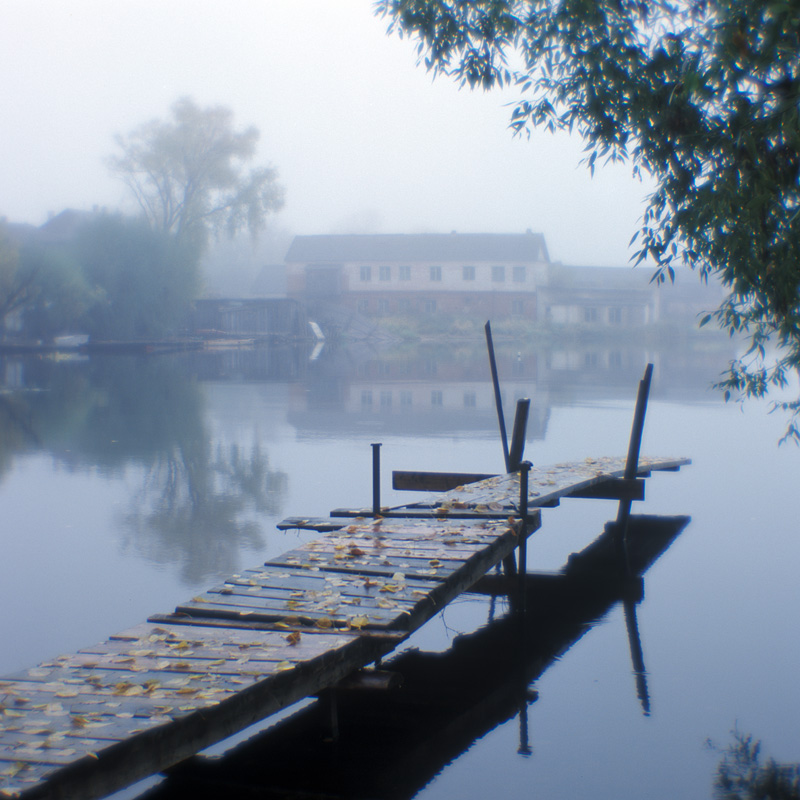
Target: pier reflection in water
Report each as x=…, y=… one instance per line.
x=390, y=742
x=110, y=469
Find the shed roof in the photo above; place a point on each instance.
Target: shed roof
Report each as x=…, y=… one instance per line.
x=462, y=247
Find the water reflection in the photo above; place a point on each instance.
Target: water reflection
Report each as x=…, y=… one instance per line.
x=391, y=743
x=742, y=774
x=198, y=501
x=439, y=388
x=192, y=506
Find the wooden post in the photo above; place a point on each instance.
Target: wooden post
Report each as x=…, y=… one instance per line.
x=518, y=434
x=376, y=479
x=635, y=443
x=632, y=462
x=524, y=469
x=497, y=399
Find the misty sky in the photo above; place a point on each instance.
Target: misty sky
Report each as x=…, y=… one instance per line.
x=363, y=139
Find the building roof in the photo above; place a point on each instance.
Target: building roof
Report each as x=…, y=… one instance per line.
x=64, y=226
x=415, y=247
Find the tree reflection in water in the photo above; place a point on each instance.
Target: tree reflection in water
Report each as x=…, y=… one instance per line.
x=199, y=499
x=197, y=509
x=742, y=775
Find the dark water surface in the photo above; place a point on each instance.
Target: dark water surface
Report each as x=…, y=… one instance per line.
x=130, y=484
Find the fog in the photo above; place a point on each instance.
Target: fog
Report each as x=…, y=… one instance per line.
x=364, y=140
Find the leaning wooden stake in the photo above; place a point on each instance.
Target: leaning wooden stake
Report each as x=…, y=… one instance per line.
x=632, y=462
x=497, y=399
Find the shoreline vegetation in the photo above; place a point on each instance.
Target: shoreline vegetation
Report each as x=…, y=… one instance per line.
x=397, y=329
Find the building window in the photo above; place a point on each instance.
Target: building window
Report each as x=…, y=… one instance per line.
x=615, y=316
x=469, y=400
x=436, y=398
x=363, y=305
x=366, y=397
x=498, y=274
x=405, y=399
x=518, y=307
x=429, y=306
x=468, y=273
x=404, y=305
x=436, y=273
x=385, y=273
x=386, y=399
x=519, y=275
x=366, y=273
x=383, y=306
x=404, y=273
x=590, y=315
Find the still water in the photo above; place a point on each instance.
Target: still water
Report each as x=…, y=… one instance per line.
x=130, y=484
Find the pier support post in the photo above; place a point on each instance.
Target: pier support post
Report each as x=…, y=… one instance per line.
x=376, y=479
x=524, y=469
x=518, y=434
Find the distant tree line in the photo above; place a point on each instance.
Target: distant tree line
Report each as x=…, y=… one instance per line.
x=116, y=279
x=123, y=277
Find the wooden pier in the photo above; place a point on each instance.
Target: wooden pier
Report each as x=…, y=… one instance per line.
x=389, y=742
x=86, y=724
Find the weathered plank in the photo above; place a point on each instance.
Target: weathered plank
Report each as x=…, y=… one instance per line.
x=155, y=725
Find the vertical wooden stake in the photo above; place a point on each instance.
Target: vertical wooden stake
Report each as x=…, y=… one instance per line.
x=376, y=479
x=524, y=469
x=518, y=434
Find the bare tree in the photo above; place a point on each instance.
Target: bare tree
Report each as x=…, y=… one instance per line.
x=188, y=174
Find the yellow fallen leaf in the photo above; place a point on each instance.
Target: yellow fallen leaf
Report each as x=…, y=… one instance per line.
x=14, y=769
x=359, y=622
x=284, y=665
